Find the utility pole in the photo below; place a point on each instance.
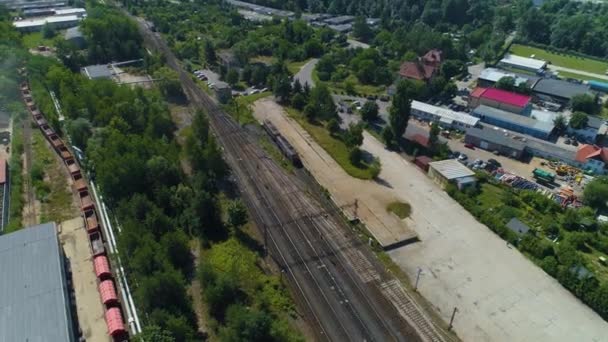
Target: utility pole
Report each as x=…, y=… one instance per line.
x=417, y=279
x=452, y=319
x=356, y=207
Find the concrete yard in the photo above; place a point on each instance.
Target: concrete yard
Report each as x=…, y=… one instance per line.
x=500, y=295
x=75, y=244
x=372, y=199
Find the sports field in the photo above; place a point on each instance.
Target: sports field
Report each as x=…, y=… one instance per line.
x=561, y=59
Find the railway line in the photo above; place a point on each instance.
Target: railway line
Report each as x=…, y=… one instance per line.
x=339, y=304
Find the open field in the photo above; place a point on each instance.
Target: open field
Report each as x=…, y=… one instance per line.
x=35, y=39
x=566, y=74
x=340, y=87
x=561, y=59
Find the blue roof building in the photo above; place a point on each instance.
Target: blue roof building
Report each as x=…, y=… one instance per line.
x=514, y=122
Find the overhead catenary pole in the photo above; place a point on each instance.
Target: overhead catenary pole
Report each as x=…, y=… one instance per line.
x=452, y=319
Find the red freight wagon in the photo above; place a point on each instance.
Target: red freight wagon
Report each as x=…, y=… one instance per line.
x=64, y=152
x=102, y=267
x=108, y=292
x=79, y=183
x=116, y=327
x=55, y=140
x=90, y=217
x=47, y=130
x=72, y=166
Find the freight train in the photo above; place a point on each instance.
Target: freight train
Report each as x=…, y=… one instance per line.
x=288, y=151
x=107, y=290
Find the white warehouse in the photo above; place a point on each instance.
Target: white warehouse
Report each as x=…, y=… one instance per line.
x=444, y=116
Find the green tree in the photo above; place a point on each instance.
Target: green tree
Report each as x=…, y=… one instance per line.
x=399, y=113
x=451, y=68
x=354, y=135
x=333, y=126
x=595, y=194
x=354, y=155
x=168, y=82
x=209, y=52
x=232, y=77
x=176, y=245
x=80, y=131
x=578, y=120
x=361, y=29
x=244, y=324
x=506, y=83
x=434, y=136
x=321, y=102
x=282, y=87
x=154, y=333
x=369, y=111
x=48, y=31
x=560, y=123
x=584, y=103
x=237, y=214
x=388, y=137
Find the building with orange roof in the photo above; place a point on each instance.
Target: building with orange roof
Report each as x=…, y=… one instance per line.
x=423, y=68
x=592, y=157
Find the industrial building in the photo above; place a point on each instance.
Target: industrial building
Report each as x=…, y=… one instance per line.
x=75, y=36
x=56, y=22
x=518, y=227
x=598, y=86
x=445, y=117
x=34, y=300
x=558, y=90
x=501, y=99
x=514, y=122
x=523, y=63
x=98, y=71
x=595, y=127
x=489, y=76
x=492, y=140
x=223, y=92
x=592, y=158
x=36, y=4
x=451, y=171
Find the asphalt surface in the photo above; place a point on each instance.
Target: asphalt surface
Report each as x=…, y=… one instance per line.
x=305, y=73
x=337, y=302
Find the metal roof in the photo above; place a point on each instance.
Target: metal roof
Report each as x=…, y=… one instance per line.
x=560, y=88
x=507, y=97
x=98, y=71
x=517, y=226
x=497, y=136
x=42, y=21
x=34, y=305
x=444, y=113
x=508, y=117
x=68, y=11
x=493, y=75
x=520, y=61
x=451, y=169
x=73, y=32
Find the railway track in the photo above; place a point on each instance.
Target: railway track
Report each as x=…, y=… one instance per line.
x=334, y=283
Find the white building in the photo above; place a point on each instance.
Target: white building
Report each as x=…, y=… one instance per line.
x=58, y=22
x=444, y=116
x=523, y=63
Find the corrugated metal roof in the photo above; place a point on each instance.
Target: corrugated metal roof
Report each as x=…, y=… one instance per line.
x=517, y=226
x=493, y=75
x=497, y=137
x=507, y=97
x=451, y=169
x=559, y=88
x=34, y=305
x=42, y=21
x=520, y=61
x=508, y=117
x=445, y=113
x=114, y=321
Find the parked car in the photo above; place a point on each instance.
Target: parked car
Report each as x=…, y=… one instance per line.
x=463, y=157
x=469, y=145
x=384, y=98
x=494, y=162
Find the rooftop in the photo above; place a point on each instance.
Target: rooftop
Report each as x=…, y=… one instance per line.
x=530, y=63
x=33, y=298
x=451, y=169
x=498, y=136
x=560, y=88
x=493, y=75
x=73, y=32
x=586, y=152
x=520, y=120
x=98, y=71
x=416, y=70
x=445, y=113
x=507, y=97
x=517, y=226
x=343, y=19
x=42, y=21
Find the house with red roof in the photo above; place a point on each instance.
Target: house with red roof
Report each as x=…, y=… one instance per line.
x=424, y=68
x=501, y=99
x=592, y=157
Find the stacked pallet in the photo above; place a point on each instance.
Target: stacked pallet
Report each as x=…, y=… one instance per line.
x=106, y=284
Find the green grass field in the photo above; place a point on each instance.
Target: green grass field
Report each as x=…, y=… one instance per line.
x=34, y=39
x=360, y=89
x=335, y=147
x=294, y=67
x=240, y=109
x=402, y=210
x=565, y=74
x=561, y=59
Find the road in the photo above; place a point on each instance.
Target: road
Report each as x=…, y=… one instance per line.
x=336, y=301
x=305, y=73
x=578, y=72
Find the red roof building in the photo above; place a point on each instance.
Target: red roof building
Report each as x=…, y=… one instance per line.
x=501, y=99
x=424, y=68
x=592, y=157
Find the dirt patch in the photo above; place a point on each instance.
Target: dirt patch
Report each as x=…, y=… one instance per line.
x=362, y=199
x=75, y=245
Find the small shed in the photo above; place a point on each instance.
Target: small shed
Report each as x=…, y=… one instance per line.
x=102, y=267
x=223, y=92
x=449, y=170
x=517, y=226
x=75, y=36
x=423, y=162
x=116, y=326
x=108, y=292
